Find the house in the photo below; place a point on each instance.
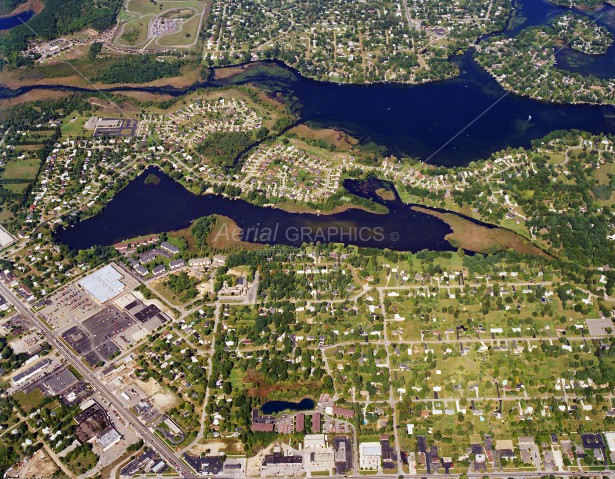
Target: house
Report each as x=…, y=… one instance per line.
x=299, y=422
x=159, y=270
x=171, y=248
x=595, y=442
x=176, y=264
x=505, y=448
x=340, y=411
x=218, y=260
x=262, y=423
x=141, y=270
x=526, y=447
x=146, y=258
x=316, y=422
x=199, y=262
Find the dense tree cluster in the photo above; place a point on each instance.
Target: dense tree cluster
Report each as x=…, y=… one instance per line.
x=182, y=285
x=59, y=17
x=140, y=69
x=222, y=148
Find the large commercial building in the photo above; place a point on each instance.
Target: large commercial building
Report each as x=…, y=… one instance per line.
x=29, y=373
x=103, y=284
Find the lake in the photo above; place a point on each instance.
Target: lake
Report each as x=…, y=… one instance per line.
x=141, y=209
x=450, y=122
x=7, y=23
x=273, y=407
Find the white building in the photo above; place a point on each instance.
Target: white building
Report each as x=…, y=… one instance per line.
x=370, y=455
x=314, y=441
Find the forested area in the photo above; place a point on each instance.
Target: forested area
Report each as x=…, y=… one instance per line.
x=140, y=69
x=9, y=361
x=200, y=230
x=223, y=147
x=7, y=6
x=59, y=17
x=182, y=285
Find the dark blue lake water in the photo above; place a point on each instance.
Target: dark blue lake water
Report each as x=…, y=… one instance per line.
x=450, y=122
x=9, y=22
x=273, y=407
x=141, y=209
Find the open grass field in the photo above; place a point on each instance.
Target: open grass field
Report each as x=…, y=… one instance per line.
x=338, y=139
x=161, y=24
x=21, y=169
x=16, y=187
x=162, y=290
x=30, y=400
x=72, y=125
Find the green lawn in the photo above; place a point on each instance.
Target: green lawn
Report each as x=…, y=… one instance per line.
x=21, y=169
x=237, y=379
x=29, y=401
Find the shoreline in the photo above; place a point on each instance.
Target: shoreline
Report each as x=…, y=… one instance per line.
x=482, y=239
x=34, y=5
x=11, y=81
x=510, y=89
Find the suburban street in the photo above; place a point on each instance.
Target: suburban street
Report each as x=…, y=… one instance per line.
x=147, y=435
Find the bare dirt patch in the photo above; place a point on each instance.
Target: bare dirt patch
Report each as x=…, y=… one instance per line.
x=150, y=387
x=230, y=446
x=112, y=108
x=481, y=239
x=39, y=466
x=165, y=400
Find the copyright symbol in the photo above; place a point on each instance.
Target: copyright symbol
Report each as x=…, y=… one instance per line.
x=394, y=236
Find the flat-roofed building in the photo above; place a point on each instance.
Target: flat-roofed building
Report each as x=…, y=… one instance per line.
x=314, y=441
x=59, y=382
x=370, y=455
x=31, y=372
x=316, y=422
x=103, y=284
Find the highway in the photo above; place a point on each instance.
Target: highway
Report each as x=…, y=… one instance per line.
x=148, y=436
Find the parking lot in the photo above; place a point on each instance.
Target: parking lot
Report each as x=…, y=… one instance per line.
x=67, y=306
x=94, y=338
x=108, y=322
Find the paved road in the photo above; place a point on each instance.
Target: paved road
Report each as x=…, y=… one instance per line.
x=160, y=446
